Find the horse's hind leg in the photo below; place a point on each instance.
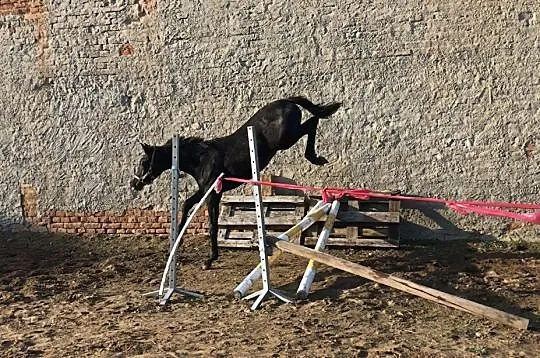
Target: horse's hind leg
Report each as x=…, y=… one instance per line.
x=309, y=127
x=213, y=216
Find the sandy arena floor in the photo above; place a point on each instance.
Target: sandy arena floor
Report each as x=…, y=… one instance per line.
x=72, y=296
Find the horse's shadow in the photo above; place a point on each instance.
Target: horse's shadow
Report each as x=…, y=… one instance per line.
x=40, y=264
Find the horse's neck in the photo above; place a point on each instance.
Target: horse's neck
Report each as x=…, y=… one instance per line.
x=190, y=157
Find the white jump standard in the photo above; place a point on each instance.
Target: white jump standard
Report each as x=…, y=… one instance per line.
x=178, y=241
x=309, y=274
x=170, y=269
x=267, y=288
x=262, y=269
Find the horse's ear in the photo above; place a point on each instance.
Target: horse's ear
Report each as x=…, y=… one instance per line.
x=146, y=147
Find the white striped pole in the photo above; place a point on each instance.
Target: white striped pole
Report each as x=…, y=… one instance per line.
x=315, y=214
x=179, y=238
x=311, y=269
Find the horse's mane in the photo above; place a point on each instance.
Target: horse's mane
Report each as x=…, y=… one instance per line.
x=186, y=140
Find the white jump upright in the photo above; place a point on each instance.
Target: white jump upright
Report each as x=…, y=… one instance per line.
x=267, y=287
x=170, y=269
x=309, y=274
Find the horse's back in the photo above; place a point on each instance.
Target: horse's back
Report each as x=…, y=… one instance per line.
x=275, y=122
x=273, y=114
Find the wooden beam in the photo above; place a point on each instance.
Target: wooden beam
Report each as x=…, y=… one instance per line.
x=285, y=199
x=237, y=243
x=241, y=219
x=404, y=285
x=359, y=242
x=386, y=217
x=248, y=235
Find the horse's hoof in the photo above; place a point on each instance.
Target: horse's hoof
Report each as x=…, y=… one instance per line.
x=207, y=265
x=320, y=161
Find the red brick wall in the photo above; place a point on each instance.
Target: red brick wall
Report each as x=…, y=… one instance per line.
x=129, y=222
x=19, y=7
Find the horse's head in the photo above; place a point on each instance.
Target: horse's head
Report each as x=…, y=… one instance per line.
x=149, y=168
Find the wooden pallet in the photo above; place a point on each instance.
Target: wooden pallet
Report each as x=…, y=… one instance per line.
x=237, y=226
x=365, y=223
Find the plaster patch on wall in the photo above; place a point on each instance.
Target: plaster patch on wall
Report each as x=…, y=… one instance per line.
x=527, y=17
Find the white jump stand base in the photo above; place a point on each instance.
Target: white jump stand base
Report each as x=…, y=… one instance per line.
x=170, y=291
x=266, y=292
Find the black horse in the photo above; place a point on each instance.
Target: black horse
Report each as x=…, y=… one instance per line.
x=277, y=126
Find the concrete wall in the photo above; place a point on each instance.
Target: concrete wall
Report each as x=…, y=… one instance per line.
x=440, y=98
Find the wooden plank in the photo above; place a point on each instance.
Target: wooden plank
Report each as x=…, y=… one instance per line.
x=244, y=235
x=369, y=217
x=358, y=242
x=374, y=232
x=315, y=198
x=222, y=232
x=225, y=210
x=394, y=230
x=247, y=218
x=274, y=207
x=237, y=243
x=249, y=235
x=300, y=211
x=351, y=233
x=394, y=205
x=405, y=285
x=354, y=204
x=287, y=199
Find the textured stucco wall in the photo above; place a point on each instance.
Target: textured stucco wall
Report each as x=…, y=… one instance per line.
x=440, y=98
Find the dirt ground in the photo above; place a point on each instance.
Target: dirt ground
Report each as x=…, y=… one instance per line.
x=73, y=296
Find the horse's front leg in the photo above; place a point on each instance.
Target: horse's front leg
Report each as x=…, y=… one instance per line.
x=309, y=127
x=213, y=216
x=186, y=207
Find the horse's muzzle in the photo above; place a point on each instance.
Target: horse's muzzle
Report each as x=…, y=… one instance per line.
x=136, y=184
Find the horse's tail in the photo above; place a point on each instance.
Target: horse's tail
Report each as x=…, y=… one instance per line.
x=320, y=111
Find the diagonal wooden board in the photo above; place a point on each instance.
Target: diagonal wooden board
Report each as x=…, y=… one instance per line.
x=403, y=285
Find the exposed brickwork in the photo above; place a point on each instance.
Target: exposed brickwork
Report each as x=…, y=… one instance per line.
x=130, y=222
x=530, y=149
x=29, y=202
x=20, y=7
x=35, y=12
x=126, y=49
x=146, y=7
